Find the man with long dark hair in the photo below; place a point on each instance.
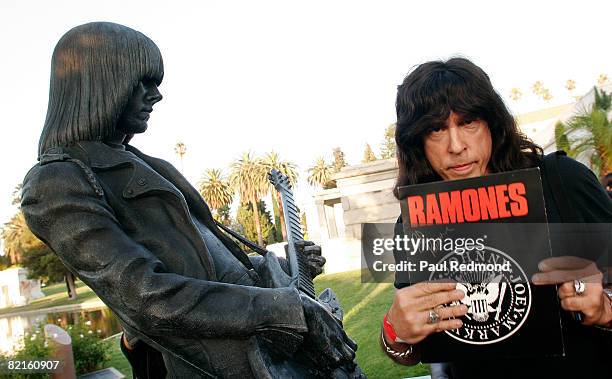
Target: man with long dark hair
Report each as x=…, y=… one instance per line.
x=130, y=226
x=451, y=124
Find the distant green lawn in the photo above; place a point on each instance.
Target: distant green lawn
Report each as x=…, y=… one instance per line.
x=56, y=295
x=365, y=305
x=118, y=360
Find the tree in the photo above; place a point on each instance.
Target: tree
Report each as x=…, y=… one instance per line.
x=216, y=190
x=387, y=147
x=5, y=262
x=245, y=216
x=223, y=215
x=17, y=194
x=42, y=263
x=248, y=177
x=339, y=160
x=22, y=247
x=368, y=154
x=180, y=149
x=13, y=232
x=320, y=174
x=589, y=134
x=276, y=210
x=304, y=225
x=273, y=161
x=15, y=238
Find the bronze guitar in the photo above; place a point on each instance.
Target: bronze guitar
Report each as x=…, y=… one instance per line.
x=298, y=265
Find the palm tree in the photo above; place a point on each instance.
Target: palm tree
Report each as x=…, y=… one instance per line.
x=538, y=88
x=515, y=94
x=368, y=154
x=180, y=149
x=272, y=161
x=16, y=200
x=320, y=174
x=13, y=231
x=216, y=189
x=589, y=133
x=339, y=160
x=387, y=147
x=602, y=80
x=248, y=177
x=13, y=234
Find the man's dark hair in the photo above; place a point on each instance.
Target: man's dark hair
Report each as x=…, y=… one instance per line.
x=424, y=102
x=94, y=70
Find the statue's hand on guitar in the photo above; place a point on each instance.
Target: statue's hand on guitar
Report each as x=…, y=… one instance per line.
x=282, y=342
x=312, y=253
x=325, y=344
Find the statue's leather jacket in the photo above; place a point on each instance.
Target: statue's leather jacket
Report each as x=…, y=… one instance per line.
x=123, y=222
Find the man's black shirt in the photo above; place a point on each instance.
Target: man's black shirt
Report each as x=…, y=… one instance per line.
x=588, y=349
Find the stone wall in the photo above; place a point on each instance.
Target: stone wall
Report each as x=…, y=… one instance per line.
x=363, y=194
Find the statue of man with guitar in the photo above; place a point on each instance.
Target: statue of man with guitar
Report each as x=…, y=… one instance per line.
x=191, y=302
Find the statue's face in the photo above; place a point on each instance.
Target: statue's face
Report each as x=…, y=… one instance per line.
x=134, y=118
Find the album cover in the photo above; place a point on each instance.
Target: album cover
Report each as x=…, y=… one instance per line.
x=488, y=235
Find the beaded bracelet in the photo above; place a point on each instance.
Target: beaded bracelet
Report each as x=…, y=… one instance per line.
x=394, y=353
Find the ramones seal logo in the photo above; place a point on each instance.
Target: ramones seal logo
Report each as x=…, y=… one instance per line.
x=497, y=294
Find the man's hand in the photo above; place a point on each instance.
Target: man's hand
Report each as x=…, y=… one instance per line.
x=409, y=313
x=325, y=343
x=593, y=303
x=312, y=253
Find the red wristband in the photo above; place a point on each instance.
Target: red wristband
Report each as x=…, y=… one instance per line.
x=388, y=328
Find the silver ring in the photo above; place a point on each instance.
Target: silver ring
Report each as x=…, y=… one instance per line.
x=433, y=317
x=579, y=286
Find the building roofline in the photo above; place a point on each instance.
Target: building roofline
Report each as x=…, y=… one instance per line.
x=373, y=167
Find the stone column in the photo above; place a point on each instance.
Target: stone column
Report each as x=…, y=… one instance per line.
x=61, y=344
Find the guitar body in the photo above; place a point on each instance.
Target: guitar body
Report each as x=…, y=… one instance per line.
x=253, y=358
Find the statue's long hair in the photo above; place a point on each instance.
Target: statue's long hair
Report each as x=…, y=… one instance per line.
x=424, y=101
x=94, y=70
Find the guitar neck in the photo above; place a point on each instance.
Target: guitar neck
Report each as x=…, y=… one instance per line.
x=298, y=263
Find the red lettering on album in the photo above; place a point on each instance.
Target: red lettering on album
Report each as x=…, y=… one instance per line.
x=469, y=205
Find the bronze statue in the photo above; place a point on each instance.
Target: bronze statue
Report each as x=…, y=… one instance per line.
x=132, y=228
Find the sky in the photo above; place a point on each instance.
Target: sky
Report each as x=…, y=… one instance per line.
x=296, y=77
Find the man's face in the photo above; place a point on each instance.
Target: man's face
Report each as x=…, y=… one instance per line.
x=139, y=107
x=459, y=149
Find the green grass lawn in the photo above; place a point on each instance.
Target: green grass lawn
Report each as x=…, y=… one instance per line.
x=364, y=306
x=118, y=360
x=55, y=295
